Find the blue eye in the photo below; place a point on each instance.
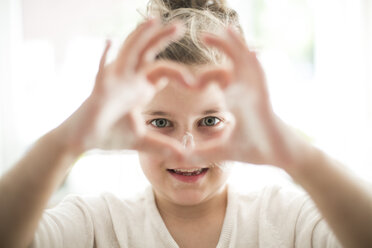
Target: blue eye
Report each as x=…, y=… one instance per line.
x=160, y=123
x=210, y=121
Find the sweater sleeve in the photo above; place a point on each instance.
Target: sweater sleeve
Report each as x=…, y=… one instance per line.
x=69, y=224
x=312, y=229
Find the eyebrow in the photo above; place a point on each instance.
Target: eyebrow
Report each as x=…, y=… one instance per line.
x=211, y=111
x=159, y=113
x=162, y=113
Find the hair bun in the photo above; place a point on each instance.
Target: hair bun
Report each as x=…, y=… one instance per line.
x=195, y=4
x=198, y=16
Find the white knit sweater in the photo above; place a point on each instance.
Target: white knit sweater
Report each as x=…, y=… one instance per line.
x=271, y=217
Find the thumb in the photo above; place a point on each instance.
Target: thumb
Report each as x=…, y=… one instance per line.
x=207, y=154
x=171, y=71
x=160, y=145
x=220, y=76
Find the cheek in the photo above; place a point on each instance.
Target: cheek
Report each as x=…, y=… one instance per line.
x=148, y=161
x=211, y=133
x=208, y=134
x=151, y=165
x=145, y=159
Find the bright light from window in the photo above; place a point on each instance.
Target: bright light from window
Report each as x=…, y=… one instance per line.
x=316, y=59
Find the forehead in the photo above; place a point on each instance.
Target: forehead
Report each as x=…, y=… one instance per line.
x=175, y=97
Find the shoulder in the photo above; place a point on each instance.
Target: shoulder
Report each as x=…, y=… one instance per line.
x=271, y=205
x=103, y=207
x=272, y=214
x=104, y=202
x=271, y=196
x=282, y=213
x=79, y=221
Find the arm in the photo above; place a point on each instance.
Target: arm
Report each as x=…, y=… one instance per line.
x=343, y=199
x=26, y=188
x=106, y=120
x=260, y=137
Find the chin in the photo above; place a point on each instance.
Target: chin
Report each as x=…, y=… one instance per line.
x=189, y=197
x=184, y=186
x=195, y=196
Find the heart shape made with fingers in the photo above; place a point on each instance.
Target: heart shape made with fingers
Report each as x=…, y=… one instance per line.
x=257, y=135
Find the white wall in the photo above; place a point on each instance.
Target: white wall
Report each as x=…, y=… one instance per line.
x=343, y=81
x=49, y=52
x=10, y=36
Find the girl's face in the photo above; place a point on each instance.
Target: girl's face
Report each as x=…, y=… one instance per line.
x=191, y=117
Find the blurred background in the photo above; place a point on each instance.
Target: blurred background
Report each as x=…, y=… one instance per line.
x=317, y=55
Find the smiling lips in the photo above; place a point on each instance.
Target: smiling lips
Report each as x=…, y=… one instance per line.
x=188, y=175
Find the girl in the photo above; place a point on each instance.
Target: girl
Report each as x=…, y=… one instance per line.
x=205, y=112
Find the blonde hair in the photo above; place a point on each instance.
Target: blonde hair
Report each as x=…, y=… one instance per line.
x=198, y=16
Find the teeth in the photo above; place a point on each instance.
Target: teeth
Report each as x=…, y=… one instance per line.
x=188, y=170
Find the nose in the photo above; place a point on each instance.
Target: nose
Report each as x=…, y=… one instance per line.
x=188, y=141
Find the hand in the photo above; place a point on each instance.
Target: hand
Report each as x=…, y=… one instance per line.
x=110, y=118
x=257, y=135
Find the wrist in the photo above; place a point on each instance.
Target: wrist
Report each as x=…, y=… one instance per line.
x=308, y=166
x=72, y=134
x=65, y=142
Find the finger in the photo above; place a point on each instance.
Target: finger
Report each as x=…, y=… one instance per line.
x=210, y=153
x=158, y=42
x=172, y=71
x=160, y=145
x=223, y=45
x=237, y=39
x=243, y=60
x=104, y=55
x=220, y=76
x=102, y=63
x=214, y=150
x=132, y=41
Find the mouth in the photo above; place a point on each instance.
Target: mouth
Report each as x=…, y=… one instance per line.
x=188, y=175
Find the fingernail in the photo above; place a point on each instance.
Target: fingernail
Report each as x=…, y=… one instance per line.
x=151, y=21
x=190, y=80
